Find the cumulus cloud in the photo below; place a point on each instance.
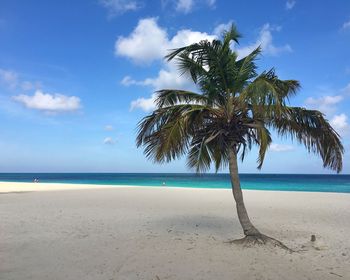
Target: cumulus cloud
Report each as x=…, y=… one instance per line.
x=280, y=147
x=49, y=102
x=109, y=141
x=326, y=104
x=265, y=41
x=109, y=127
x=150, y=42
x=145, y=104
x=340, y=123
x=117, y=7
x=8, y=78
x=147, y=42
x=290, y=4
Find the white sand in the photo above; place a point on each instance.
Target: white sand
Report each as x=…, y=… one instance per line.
x=97, y=232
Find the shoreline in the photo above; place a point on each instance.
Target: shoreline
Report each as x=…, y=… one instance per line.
x=8, y=187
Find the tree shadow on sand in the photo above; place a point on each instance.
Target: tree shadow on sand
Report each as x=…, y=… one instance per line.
x=210, y=226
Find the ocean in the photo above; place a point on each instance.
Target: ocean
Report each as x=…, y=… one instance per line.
x=280, y=182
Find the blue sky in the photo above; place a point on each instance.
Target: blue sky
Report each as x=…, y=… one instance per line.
x=77, y=76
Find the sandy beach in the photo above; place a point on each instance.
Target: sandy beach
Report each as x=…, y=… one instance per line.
x=61, y=231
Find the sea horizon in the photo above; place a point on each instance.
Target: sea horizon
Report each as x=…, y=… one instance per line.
x=339, y=183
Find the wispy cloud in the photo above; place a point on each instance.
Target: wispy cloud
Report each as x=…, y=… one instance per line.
x=290, y=4
x=326, y=104
x=12, y=80
x=184, y=6
x=211, y=3
x=109, y=141
x=188, y=6
x=265, y=41
x=346, y=25
x=219, y=29
x=346, y=90
x=109, y=127
x=118, y=7
x=8, y=78
x=281, y=147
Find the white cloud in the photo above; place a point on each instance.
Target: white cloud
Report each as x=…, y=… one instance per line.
x=346, y=25
x=280, y=148
x=150, y=42
x=187, y=6
x=8, y=78
x=49, y=102
x=109, y=127
x=128, y=81
x=219, y=29
x=187, y=36
x=184, y=6
x=168, y=78
x=265, y=40
x=326, y=104
x=290, y=4
x=109, y=141
x=340, y=123
x=147, y=42
x=145, y=104
x=117, y=7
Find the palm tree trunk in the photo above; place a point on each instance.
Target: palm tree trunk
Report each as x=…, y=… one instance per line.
x=248, y=228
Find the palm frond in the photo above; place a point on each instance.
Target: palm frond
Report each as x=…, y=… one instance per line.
x=167, y=132
x=310, y=128
x=231, y=34
x=235, y=110
x=267, y=95
x=263, y=140
x=187, y=65
x=170, y=97
x=245, y=69
x=198, y=156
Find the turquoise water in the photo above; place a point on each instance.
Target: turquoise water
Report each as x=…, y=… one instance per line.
x=281, y=182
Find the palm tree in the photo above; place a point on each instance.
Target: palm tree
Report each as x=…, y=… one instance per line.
x=236, y=109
